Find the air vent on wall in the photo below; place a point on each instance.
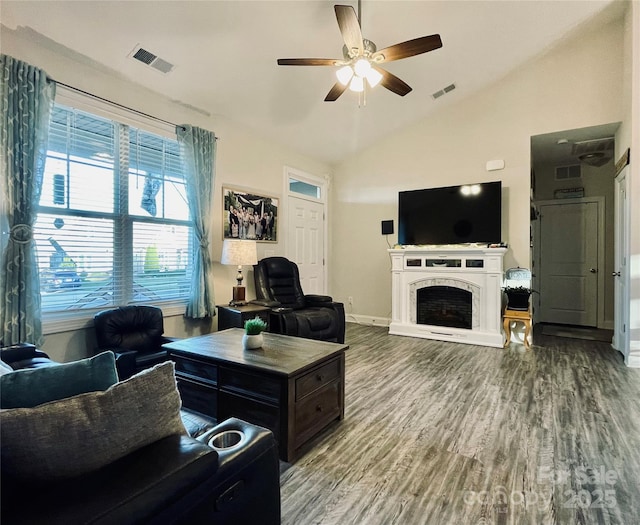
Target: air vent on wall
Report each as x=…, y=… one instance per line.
x=151, y=60
x=568, y=172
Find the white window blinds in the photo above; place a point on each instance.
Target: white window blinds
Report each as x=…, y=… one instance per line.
x=113, y=223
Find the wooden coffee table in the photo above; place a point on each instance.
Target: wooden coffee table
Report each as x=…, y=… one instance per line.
x=292, y=386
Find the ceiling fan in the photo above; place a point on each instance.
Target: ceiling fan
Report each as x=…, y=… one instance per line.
x=362, y=59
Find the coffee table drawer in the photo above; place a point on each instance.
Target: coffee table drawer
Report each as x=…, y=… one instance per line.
x=195, y=368
x=316, y=411
x=316, y=379
x=198, y=397
x=245, y=382
x=251, y=410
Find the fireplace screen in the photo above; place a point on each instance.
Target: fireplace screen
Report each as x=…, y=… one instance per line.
x=444, y=306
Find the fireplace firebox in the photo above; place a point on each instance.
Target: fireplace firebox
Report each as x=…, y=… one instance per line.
x=444, y=306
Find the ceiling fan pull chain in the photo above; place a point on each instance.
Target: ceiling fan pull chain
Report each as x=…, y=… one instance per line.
x=362, y=97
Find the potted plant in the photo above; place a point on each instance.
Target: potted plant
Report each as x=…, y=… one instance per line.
x=518, y=297
x=252, y=337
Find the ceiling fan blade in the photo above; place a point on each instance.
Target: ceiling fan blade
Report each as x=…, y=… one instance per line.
x=393, y=83
x=337, y=90
x=408, y=49
x=349, y=27
x=307, y=61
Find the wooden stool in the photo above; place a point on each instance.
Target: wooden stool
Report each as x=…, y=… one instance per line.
x=517, y=315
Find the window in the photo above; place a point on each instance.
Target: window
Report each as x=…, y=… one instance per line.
x=304, y=188
x=113, y=222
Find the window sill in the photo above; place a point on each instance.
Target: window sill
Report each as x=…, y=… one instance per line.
x=68, y=322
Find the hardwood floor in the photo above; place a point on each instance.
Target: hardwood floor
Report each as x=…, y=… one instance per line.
x=441, y=433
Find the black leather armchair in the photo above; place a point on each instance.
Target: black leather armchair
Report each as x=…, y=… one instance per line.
x=134, y=334
x=277, y=281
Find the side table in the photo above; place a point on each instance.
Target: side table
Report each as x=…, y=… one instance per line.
x=235, y=316
x=510, y=316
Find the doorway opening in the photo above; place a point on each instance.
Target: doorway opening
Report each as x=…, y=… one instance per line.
x=572, y=225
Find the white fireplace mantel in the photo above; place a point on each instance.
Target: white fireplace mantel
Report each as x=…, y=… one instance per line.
x=475, y=269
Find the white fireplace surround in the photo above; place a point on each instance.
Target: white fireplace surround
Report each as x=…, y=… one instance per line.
x=473, y=269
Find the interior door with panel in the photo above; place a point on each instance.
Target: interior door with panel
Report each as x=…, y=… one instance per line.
x=306, y=228
x=569, y=262
x=306, y=242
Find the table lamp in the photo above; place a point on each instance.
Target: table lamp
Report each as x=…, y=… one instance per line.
x=239, y=252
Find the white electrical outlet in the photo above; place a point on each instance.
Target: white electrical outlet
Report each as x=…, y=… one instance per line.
x=350, y=300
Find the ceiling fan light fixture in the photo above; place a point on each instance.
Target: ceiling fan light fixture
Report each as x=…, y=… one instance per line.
x=363, y=58
x=362, y=67
x=357, y=84
x=373, y=77
x=344, y=75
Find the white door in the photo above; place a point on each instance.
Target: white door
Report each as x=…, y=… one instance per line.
x=621, y=269
x=569, y=263
x=306, y=242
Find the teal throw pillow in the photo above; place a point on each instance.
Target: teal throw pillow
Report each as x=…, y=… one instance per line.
x=77, y=435
x=31, y=387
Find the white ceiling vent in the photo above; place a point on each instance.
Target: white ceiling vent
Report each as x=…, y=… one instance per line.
x=596, y=152
x=151, y=60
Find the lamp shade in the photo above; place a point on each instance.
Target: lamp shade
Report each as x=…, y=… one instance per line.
x=239, y=252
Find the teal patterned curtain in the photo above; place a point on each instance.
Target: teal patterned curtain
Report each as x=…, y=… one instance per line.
x=199, y=151
x=26, y=100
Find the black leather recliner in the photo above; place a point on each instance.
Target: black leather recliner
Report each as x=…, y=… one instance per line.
x=134, y=334
x=277, y=281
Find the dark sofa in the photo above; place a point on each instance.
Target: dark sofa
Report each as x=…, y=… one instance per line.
x=24, y=355
x=177, y=479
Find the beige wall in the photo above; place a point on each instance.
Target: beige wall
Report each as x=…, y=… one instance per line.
x=244, y=160
x=577, y=84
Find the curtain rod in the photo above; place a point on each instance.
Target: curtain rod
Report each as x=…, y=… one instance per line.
x=122, y=106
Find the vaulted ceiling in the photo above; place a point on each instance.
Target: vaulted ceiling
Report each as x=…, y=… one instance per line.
x=225, y=53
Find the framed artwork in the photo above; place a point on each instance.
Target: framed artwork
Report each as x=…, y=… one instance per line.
x=249, y=215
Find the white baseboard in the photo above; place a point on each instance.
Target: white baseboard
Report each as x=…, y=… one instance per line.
x=368, y=320
x=633, y=361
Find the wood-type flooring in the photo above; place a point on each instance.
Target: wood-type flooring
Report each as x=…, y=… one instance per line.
x=445, y=433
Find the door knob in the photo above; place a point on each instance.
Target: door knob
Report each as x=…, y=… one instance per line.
x=616, y=274
x=593, y=270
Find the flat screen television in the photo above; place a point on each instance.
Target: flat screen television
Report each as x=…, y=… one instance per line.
x=470, y=213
